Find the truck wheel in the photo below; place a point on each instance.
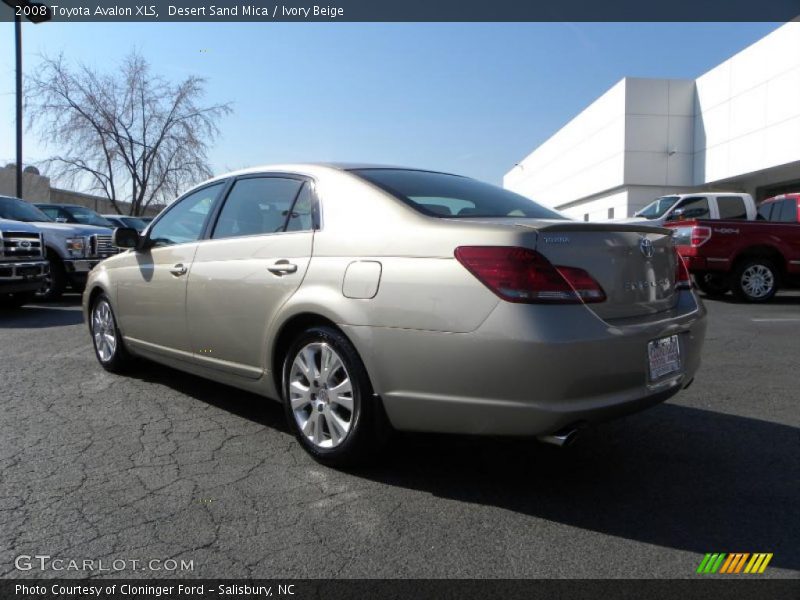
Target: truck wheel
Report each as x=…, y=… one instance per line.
x=755, y=280
x=55, y=283
x=712, y=284
x=16, y=299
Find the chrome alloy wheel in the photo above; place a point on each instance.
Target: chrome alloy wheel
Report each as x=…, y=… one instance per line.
x=321, y=395
x=757, y=281
x=104, y=331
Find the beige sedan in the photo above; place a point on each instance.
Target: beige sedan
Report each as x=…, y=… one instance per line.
x=367, y=299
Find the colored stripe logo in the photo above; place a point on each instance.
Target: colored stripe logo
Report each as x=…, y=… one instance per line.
x=734, y=563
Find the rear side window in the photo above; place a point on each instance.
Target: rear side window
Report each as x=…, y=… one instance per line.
x=731, y=207
x=787, y=213
x=184, y=222
x=256, y=206
x=765, y=210
x=452, y=196
x=695, y=208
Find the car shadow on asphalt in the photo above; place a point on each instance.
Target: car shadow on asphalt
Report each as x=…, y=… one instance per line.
x=238, y=402
x=38, y=316
x=675, y=476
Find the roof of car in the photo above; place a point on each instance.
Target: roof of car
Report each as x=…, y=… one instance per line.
x=312, y=168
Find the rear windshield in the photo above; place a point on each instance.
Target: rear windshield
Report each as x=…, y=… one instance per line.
x=452, y=196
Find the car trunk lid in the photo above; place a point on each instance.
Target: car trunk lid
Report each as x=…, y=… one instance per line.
x=634, y=264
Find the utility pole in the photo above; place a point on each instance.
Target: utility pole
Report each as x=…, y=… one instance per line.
x=35, y=13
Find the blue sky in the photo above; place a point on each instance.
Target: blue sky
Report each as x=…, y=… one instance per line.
x=467, y=98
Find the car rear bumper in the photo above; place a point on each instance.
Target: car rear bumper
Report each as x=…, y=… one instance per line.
x=527, y=370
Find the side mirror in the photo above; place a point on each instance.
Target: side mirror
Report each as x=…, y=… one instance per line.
x=61, y=220
x=125, y=237
x=676, y=215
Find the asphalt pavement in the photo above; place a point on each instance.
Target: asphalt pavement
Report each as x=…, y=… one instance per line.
x=163, y=466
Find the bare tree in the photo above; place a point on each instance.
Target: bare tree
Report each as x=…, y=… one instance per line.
x=129, y=135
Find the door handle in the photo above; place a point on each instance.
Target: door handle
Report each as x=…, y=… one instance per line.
x=282, y=267
x=178, y=270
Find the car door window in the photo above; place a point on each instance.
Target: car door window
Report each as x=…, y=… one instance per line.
x=695, y=208
x=764, y=211
x=788, y=211
x=731, y=207
x=257, y=205
x=184, y=222
x=302, y=216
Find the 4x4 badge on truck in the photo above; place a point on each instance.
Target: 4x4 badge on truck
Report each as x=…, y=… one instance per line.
x=646, y=246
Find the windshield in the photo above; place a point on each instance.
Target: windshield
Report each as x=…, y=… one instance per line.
x=19, y=210
x=657, y=208
x=452, y=196
x=86, y=216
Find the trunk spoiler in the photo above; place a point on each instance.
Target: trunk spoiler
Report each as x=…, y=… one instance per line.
x=616, y=227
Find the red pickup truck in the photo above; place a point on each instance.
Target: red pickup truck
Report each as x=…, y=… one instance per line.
x=751, y=259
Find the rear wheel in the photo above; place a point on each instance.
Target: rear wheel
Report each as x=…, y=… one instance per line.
x=712, y=284
x=16, y=299
x=329, y=401
x=108, y=344
x=755, y=280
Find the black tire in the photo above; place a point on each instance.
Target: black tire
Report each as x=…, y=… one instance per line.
x=119, y=360
x=713, y=285
x=369, y=429
x=15, y=300
x=56, y=281
x=741, y=281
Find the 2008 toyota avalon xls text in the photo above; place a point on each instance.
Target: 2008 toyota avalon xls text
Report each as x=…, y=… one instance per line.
x=370, y=298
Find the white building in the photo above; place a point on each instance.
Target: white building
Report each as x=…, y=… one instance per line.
x=736, y=128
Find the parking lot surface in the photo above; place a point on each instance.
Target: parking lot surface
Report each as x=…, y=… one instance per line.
x=162, y=465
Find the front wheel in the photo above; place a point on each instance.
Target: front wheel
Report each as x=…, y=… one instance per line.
x=108, y=344
x=329, y=400
x=55, y=283
x=755, y=280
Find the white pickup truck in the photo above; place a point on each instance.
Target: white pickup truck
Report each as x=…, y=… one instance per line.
x=700, y=205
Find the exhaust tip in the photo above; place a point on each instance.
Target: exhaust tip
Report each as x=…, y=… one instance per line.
x=564, y=437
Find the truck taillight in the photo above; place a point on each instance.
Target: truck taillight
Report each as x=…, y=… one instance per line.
x=700, y=235
x=682, y=279
x=523, y=275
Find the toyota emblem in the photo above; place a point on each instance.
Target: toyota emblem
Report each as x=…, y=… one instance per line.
x=646, y=246
x=25, y=244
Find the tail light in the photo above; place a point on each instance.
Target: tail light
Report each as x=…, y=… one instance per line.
x=700, y=235
x=523, y=275
x=683, y=280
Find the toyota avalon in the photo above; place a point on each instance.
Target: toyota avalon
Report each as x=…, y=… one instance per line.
x=367, y=299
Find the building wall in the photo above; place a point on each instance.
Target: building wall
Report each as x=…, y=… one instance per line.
x=583, y=158
x=35, y=188
x=748, y=109
x=734, y=128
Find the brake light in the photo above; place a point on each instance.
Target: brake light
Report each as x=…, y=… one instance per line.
x=683, y=280
x=523, y=275
x=700, y=235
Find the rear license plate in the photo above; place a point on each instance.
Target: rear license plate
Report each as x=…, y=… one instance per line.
x=665, y=356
